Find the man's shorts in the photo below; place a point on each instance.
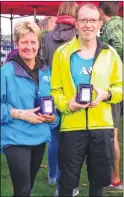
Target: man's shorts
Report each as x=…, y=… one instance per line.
x=95, y=145
x=116, y=113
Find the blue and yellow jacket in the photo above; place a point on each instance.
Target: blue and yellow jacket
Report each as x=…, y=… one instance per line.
x=18, y=90
x=106, y=75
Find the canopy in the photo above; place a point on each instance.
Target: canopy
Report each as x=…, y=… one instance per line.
x=27, y=8
x=48, y=8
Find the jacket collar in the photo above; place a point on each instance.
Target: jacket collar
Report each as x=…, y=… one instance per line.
x=19, y=71
x=100, y=46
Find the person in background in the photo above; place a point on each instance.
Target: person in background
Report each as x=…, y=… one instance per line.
x=112, y=34
x=113, y=25
x=24, y=131
x=63, y=32
x=86, y=130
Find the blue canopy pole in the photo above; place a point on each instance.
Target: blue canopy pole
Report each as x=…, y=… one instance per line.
x=0, y=29
x=11, y=20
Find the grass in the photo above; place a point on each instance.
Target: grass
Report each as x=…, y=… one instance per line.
x=41, y=187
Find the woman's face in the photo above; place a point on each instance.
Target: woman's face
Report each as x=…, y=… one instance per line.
x=28, y=46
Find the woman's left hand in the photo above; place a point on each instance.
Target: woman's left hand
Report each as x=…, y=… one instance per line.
x=48, y=118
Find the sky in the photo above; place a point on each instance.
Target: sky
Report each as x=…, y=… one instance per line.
x=6, y=25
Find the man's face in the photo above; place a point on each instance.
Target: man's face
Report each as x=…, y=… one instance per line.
x=88, y=23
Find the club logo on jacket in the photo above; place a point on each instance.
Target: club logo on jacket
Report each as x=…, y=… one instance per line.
x=85, y=71
x=46, y=78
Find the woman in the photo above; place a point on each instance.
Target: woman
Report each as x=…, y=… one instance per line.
x=63, y=32
x=24, y=130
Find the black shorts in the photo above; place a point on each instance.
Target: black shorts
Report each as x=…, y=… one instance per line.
x=116, y=113
x=95, y=145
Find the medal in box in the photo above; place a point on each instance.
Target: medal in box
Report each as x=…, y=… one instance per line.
x=46, y=104
x=84, y=93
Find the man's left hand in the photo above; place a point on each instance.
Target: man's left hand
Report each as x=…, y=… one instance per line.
x=102, y=95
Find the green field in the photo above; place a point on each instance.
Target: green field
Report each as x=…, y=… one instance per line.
x=42, y=188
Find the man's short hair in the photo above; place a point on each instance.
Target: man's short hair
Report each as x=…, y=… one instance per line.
x=110, y=8
x=88, y=5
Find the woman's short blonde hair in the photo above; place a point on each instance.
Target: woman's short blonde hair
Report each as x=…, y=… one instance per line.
x=23, y=27
x=67, y=8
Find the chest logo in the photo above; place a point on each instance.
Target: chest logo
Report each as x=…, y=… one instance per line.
x=46, y=78
x=85, y=71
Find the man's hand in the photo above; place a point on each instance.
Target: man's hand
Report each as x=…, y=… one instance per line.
x=74, y=106
x=101, y=96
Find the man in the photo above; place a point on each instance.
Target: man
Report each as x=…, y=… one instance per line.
x=86, y=129
x=113, y=25
x=112, y=34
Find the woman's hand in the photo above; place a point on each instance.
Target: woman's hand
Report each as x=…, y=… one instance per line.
x=28, y=115
x=49, y=118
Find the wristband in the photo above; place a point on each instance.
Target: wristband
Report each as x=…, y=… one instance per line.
x=109, y=96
